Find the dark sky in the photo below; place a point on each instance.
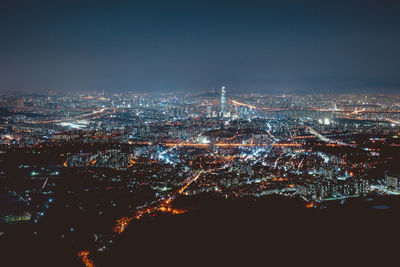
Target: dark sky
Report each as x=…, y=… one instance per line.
x=267, y=46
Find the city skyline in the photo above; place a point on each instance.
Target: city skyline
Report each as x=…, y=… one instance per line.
x=100, y=179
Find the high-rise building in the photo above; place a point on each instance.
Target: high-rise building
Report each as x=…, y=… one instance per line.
x=20, y=102
x=393, y=181
x=223, y=101
x=208, y=111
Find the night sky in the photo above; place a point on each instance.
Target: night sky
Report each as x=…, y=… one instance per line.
x=183, y=46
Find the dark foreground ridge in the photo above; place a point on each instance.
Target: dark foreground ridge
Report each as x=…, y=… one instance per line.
x=267, y=232
x=272, y=232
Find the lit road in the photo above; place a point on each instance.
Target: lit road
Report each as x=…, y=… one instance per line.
x=93, y=115
x=231, y=145
x=319, y=136
x=163, y=205
x=350, y=111
x=237, y=103
x=193, y=179
x=393, y=121
x=327, y=140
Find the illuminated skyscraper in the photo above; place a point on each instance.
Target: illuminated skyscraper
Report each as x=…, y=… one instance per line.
x=223, y=101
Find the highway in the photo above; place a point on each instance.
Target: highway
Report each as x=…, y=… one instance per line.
x=231, y=145
x=350, y=111
x=327, y=140
x=93, y=115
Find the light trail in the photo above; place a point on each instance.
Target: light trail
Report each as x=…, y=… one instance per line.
x=97, y=114
x=393, y=121
x=320, y=136
x=84, y=255
x=180, y=191
x=231, y=145
x=237, y=103
x=327, y=140
x=269, y=132
x=45, y=182
x=164, y=206
x=301, y=164
x=350, y=111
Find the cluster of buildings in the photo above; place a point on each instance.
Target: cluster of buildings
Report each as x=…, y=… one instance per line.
x=100, y=157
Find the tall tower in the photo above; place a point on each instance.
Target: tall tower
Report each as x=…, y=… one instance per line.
x=223, y=101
